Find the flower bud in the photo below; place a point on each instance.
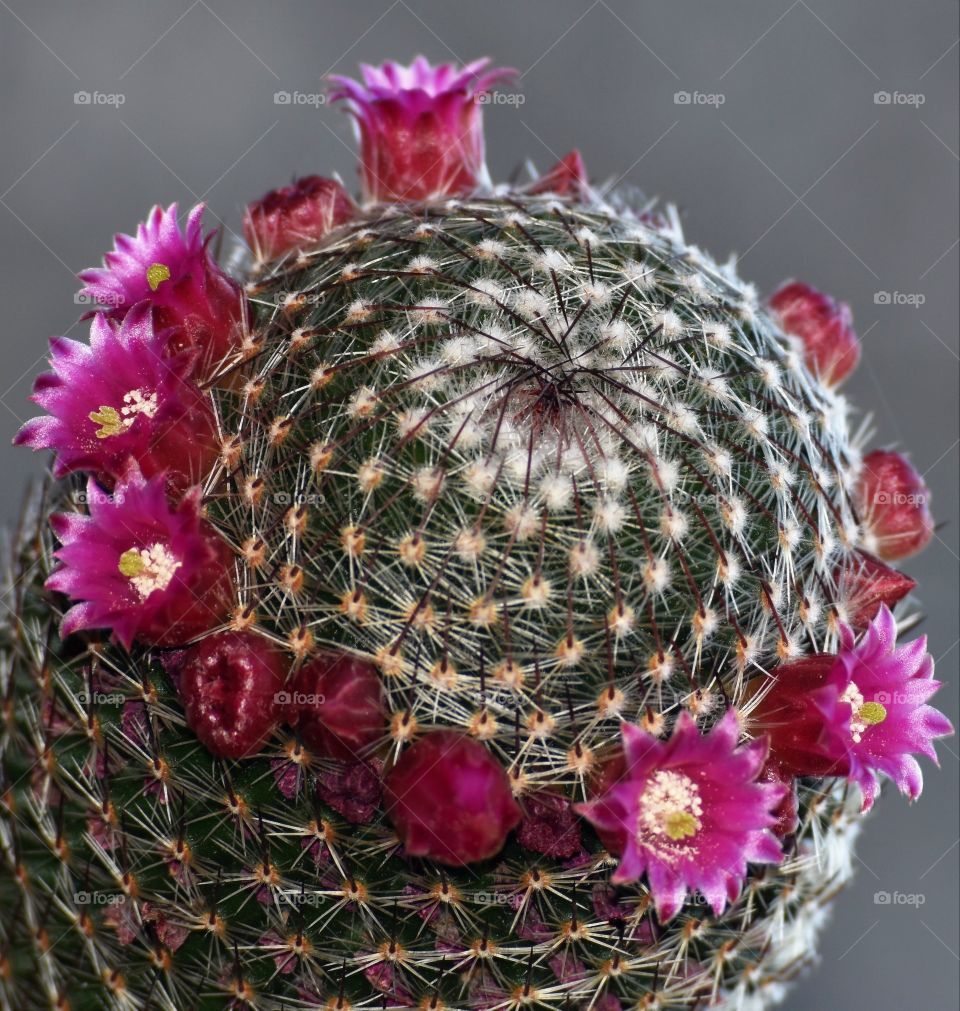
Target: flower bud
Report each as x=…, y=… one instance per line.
x=831, y=346
x=893, y=498
x=337, y=706
x=450, y=800
x=295, y=216
x=230, y=685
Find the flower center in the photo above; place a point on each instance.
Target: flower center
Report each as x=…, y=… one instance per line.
x=669, y=810
x=862, y=714
x=113, y=422
x=157, y=273
x=149, y=569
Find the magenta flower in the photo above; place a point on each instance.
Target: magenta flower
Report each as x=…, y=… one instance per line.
x=172, y=269
x=420, y=127
x=122, y=397
x=857, y=713
x=688, y=812
x=135, y=565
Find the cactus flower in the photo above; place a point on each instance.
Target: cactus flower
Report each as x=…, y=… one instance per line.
x=893, y=500
x=172, y=269
x=138, y=566
x=119, y=397
x=296, y=215
x=450, y=800
x=856, y=713
x=825, y=327
x=336, y=705
x=420, y=127
x=689, y=812
x=231, y=685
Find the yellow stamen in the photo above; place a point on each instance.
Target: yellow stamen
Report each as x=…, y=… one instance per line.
x=157, y=273
x=109, y=420
x=872, y=713
x=131, y=563
x=681, y=825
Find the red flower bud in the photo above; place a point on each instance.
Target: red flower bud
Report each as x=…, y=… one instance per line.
x=450, y=800
x=230, y=685
x=568, y=178
x=337, y=705
x=296, y=216
x=831, y=347
x=893, y=498
x=865, y=583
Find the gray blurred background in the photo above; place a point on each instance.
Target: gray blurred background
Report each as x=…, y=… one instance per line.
x=819, y=140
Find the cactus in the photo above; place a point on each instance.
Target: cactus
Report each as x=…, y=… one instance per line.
x=519, y=526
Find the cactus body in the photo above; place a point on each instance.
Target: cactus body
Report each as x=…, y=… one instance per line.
x=541, y=468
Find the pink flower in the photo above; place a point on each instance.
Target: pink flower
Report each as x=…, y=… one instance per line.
x=893, y=500
x=689, y=812
x=296, y=216
x=173, y=270
x=450, y=800
x=121, y=397
x=825, y=327
x=856, y=713
x=865, y=583
x=336, y=705
x=140, y=567
x=420, y=127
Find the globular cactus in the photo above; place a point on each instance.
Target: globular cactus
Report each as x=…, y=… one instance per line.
x=474, y=605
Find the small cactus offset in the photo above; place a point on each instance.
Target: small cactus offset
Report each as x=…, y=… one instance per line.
x=480, y=602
